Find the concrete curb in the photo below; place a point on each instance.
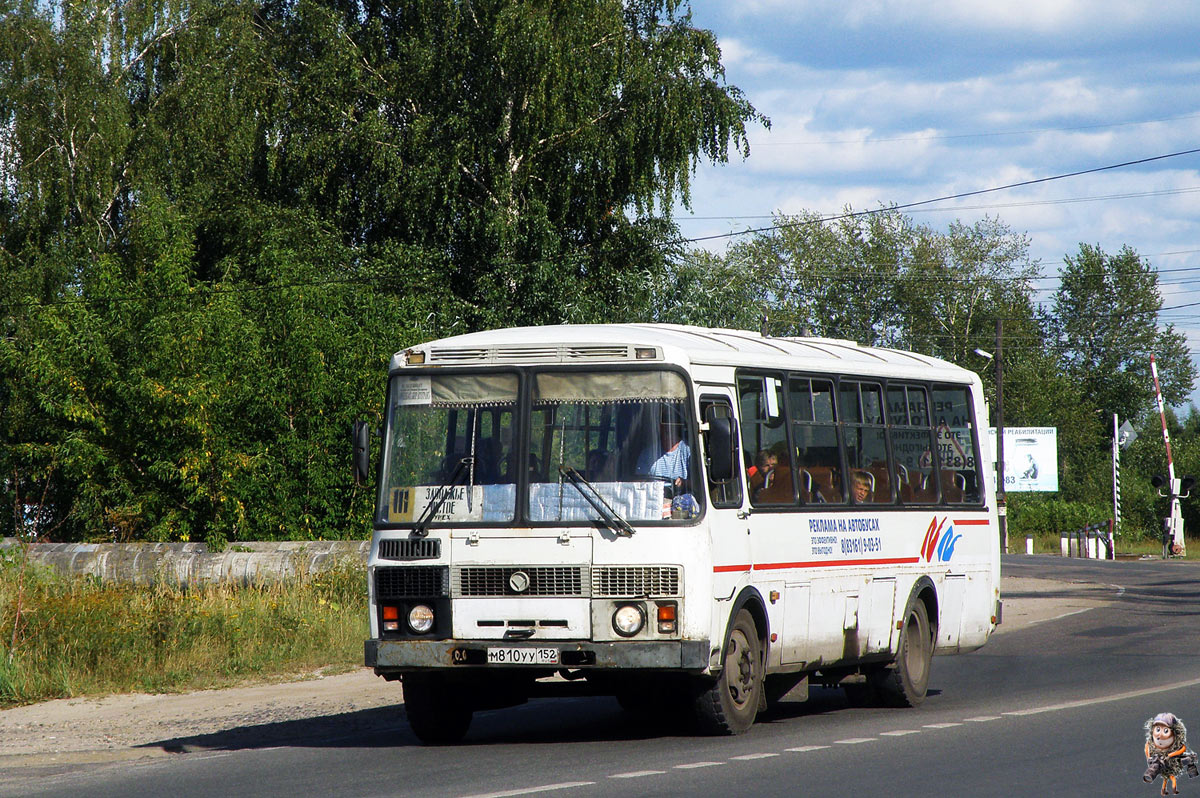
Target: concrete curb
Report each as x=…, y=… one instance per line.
x=193, y=563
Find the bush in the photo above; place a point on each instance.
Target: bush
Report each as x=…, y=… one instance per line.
x=1049, y=516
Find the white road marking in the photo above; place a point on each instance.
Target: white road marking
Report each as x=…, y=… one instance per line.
x=691, y=765
x=806, y=748
x=1060, y=617
x=983, y=718
x=748, y=757
x=941, y=725
x=855, y=740
x=1087, y=702
x=566, y=785
x=637, y=774
x=901, y=732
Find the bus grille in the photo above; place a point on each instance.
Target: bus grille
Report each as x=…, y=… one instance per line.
x=410, y=549
x=544, y=580
x=421, y=581
x=621, y=580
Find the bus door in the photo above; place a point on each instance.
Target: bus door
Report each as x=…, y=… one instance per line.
x=727, y=518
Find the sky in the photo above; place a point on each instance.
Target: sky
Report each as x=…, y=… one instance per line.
x=880, y=102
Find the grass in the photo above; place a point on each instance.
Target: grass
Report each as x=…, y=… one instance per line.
x=75, y=636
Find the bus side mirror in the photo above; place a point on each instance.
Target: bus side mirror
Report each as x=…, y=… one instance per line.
x=361, y=438
x=721, y=454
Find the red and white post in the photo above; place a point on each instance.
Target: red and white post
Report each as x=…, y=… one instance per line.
x=1175, y=519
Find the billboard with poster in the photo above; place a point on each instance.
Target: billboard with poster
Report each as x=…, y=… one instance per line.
x=1030, y=459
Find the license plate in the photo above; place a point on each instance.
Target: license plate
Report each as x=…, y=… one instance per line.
x=522, y=656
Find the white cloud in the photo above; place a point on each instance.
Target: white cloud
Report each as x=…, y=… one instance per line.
x=1041, y=17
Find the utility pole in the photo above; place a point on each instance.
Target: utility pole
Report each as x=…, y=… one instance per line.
x=1116, y=471
x=1001, y=506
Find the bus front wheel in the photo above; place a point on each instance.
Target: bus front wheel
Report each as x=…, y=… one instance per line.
x=438, y=711
x=905, y=683
x=730, y=704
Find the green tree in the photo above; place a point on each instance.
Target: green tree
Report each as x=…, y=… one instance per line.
x=880, y=279
x=1104, y=324
x=522, y=145
x=219, y=219
x=707, y=290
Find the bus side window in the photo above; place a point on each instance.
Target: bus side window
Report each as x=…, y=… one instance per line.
x=767, y=458
x=815, y=437
x=957, y=442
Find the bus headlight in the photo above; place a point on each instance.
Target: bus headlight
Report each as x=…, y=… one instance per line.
x=420, y=619
x=628, y=620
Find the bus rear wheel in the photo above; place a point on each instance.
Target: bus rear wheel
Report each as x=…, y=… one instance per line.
x=730, y=704
x=438, y=711
x=906, y=682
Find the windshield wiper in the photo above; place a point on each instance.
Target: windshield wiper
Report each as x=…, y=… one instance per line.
x=422, y=527
x=612, y=519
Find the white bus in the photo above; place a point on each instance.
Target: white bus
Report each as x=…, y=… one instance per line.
x=684, y=518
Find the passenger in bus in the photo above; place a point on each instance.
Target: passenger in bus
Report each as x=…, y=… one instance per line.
x=668, y=458
x=861, y=486
x=760, y=475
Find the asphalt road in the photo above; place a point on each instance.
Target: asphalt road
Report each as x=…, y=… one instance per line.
x=1053, y=708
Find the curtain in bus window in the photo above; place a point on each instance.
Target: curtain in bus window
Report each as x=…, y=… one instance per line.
x=954, y=426
x=602, y=387
x=912, y=444
x=861, y=405
x=815, y=436
x=450, y=436
x=766, y=457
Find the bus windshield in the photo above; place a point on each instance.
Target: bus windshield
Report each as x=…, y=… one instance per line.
x=628, y=434
x=599, y=443
x=450, y=440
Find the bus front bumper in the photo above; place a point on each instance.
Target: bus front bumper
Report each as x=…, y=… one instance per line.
x=665, y=655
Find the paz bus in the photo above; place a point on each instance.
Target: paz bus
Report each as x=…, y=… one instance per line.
x=694, y=521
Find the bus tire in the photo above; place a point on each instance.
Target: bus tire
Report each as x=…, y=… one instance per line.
x=730, y=704
x=905, y=683
x=438, y=712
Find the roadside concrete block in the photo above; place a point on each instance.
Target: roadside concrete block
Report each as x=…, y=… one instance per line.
x=246, y=563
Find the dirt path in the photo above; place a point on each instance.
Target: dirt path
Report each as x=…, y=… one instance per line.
x=84, y=730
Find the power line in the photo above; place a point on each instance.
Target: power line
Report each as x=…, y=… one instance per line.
x=1026, y=204
x=961, y=195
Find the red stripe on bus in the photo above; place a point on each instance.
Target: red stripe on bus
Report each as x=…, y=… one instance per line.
x=973, y=522
x=724, y=569
x=769, y=566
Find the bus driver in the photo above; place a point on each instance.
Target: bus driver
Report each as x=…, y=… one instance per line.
x=668, y=458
